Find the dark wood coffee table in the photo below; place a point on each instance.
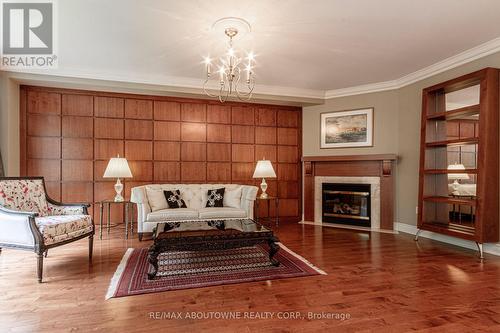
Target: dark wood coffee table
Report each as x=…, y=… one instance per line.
x=209, y=235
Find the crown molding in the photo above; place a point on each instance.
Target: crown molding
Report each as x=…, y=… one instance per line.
x=477, y=52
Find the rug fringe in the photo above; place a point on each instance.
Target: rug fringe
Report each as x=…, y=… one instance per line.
x=320, y=271
x=118, y=274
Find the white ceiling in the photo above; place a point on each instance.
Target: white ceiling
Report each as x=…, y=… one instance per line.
x=310, y=46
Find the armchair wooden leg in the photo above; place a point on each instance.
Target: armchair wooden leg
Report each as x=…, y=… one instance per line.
x=40, y=267
x=91, y=246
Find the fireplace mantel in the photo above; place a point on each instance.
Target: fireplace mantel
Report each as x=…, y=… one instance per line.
x=375, y=165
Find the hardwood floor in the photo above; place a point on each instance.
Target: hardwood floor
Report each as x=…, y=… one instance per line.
x=384, y=282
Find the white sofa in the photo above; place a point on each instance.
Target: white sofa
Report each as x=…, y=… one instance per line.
x=195, y=196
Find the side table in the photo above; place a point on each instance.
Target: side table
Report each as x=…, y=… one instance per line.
x=276, y=217
x=128, y=208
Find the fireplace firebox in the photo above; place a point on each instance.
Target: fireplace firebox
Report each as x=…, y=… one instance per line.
x=346, y=204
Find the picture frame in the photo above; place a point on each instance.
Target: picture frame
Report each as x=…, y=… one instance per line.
x=347, y=129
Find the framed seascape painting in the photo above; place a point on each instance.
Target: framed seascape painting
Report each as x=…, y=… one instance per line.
x=347, y=129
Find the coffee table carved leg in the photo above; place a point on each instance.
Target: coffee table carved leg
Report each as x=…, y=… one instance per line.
x=153, y=253
x=273, y=249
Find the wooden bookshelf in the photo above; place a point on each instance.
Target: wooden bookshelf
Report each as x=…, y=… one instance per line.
x=459, y=158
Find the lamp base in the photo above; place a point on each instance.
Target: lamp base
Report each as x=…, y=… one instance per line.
x=263, y=187
x=119, y=189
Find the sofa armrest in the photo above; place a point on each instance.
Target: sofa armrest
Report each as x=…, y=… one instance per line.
x=248, y=196
x=18, y=229
x=139, y=197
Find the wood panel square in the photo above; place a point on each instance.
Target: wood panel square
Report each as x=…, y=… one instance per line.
x=287, y=118
x=243, y=134
x=266, y=152
x=242, y=115
x=164, y=110
x=109, y=128
x=78, y=105
x=53, y=190
x=193, y=112
x=218, y=133
x=108, y=107
x=220, y=152
x=99, y=168
x=193, y=171
x=167, y=130
x=288, y=136
x=44, y=147
x=265, y=117
x=49, y=169
x=141, y=171
x=219, y=172
x=77, y=149
x=288, y=190
x=138, y=129
x=167, y=151
x=44, y=125
x=243, y=153
x=77, y=170
x=265, y=135
x=78, y=192
x=44, y=102
x=192, y=151
x=127, y=191
x=193, y=132
x=220, y=114
x=138, y=109
x=289, y=207
x=167, y=172
x=77, y=127
x=242, y=171
x=287, y=172
x=139, y=150
x=104, y=149
x=288, y=154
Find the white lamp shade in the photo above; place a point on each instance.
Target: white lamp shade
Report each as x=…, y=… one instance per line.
x=457, y=176
x=117, y=168
x=264, y=169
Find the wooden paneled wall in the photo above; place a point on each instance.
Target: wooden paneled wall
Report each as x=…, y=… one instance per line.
x=68, y=136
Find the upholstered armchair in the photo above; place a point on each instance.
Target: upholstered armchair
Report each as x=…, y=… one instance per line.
x=30, y=220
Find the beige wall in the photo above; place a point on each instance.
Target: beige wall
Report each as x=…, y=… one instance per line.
x=9, y=125
x=385, y=123
x=397, y=130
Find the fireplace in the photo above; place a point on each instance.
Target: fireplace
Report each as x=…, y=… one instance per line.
x=346, y=203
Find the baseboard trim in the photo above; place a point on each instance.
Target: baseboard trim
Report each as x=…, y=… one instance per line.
x=343, y=226
x=493, y=248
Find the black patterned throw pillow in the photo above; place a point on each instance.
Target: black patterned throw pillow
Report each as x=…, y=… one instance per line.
x=215, y=198
x=174, y=199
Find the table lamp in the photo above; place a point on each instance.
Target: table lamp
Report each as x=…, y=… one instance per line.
x=118, y=168
x=264, y=169
x=456, y=176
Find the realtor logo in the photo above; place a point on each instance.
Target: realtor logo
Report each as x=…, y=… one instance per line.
x=28, y=30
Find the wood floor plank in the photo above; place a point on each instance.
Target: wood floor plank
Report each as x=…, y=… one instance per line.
x=384, y=282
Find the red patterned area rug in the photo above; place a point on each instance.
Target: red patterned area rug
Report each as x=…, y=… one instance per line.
x=187, y=269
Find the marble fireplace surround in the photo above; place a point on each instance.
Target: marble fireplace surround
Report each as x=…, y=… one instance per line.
x=374, y=169
x=374, y=196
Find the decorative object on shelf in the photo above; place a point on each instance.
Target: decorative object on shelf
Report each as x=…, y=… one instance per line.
x=344, y=129
x=118, y=168
x=233, y=66
x=456, y=176
x=264, y=169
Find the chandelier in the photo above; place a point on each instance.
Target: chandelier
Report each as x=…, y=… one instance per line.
x=234, y=69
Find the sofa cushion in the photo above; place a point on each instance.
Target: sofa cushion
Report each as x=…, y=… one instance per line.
x=215, y=197
x=26, y=195
x=172, y=215
x=156, y=198
x=232, y=197
x=222, y=212
x=58, y=228
x=174, y=199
